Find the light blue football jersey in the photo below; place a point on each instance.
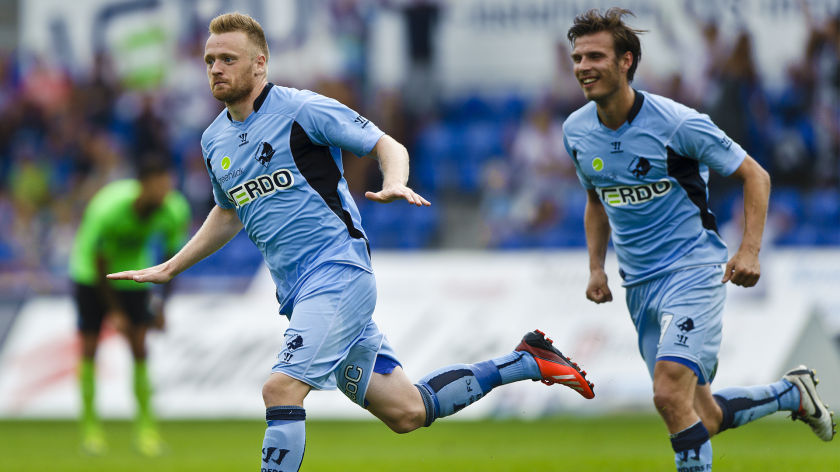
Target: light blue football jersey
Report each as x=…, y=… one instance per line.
x=652, y=176
x=281, y=170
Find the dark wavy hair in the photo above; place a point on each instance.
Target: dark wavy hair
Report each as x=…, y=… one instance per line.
x=625, y=38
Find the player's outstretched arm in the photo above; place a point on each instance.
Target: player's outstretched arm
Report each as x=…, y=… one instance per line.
x=393, y=162
x=597, y=227
x=743, y=268
x=220, y=226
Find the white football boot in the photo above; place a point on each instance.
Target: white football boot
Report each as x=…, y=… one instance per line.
x=812, y=410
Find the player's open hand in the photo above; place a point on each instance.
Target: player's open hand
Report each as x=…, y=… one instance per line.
x=598, y=290
x=397, y=192
x=156, y=275
x=743, y=269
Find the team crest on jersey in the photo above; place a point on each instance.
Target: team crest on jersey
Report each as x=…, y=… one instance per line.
x=261, y=186
x=639, y=167
x=634, y=194
x=264, y=153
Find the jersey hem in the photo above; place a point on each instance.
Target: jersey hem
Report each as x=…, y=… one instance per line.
x=664, y=272
x=289, y=298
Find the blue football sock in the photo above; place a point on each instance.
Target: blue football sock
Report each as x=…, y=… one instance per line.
x=448, y=390
x=692, y=448
x=517, y=366
x=285, y=439
x=740, y=405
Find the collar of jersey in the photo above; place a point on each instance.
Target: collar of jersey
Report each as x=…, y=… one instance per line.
x=638, y=101
x=257, y=103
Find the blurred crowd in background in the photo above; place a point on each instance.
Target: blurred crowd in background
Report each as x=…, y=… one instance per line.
x=493, y=165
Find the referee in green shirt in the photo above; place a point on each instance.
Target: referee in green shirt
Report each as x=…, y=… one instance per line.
x=117, y=232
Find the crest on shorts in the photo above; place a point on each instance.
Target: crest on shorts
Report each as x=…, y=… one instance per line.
x=295, y=343
x=686, y=324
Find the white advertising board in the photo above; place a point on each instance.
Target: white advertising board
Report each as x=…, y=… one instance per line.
x=437, y=308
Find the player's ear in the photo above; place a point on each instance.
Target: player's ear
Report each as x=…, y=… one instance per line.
x=260, y=64
x=626, y=62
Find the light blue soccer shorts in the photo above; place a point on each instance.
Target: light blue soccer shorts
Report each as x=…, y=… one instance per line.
x=331, y=340
x=679, y=317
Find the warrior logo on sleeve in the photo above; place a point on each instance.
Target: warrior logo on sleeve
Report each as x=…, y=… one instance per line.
x=361, y=120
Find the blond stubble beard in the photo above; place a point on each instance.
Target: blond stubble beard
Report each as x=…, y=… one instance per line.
x=235, y=95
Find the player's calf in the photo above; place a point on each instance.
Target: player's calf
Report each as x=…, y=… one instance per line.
x=285, y=438
x=405, y=420
x=795, y=392
x=395, y=401
x=450, y=389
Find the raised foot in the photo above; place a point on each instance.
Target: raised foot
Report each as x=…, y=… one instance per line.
x=555, y=368
x=811, y=410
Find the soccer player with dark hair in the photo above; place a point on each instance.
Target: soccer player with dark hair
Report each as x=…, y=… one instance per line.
x=644, y=161
x=274, y=159
x=117, y=232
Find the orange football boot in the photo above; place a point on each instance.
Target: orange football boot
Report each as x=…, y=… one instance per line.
x=554, y=366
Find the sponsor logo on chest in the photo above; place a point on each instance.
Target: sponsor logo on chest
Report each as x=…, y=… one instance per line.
x=265, y=184
x=634, y=194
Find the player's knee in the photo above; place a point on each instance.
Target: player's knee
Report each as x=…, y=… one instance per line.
x=270, y=391
x=406, y=423
x=668, y=401
x=401, y=426
x=139, y=353
x=281, y=389
x=406, y=418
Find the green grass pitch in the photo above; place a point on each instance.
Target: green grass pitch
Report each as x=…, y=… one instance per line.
x=620, y=443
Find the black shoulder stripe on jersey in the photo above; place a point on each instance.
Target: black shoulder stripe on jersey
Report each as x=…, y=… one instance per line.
x=687, y=173
x=316, y=165
x=638, y=100
x=263, y=95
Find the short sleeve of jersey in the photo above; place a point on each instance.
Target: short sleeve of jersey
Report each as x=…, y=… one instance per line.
x=330, y=123
x=697, y=137
x=583, y=180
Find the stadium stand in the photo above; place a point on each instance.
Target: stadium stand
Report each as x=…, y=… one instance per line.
x=64, y=134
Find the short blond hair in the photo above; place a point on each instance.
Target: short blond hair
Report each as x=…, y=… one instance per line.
x=233, y=22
